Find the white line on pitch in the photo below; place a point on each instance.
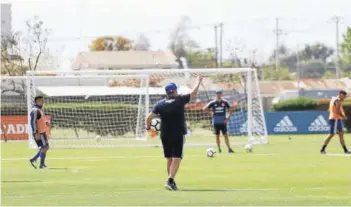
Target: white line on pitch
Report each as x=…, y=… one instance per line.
x=328, y=187
x=119, y=157
x=93, y=158
x=339, y=155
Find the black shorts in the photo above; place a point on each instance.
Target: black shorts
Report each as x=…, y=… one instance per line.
x=218, y=128
x=43, y=141
x=173, y=146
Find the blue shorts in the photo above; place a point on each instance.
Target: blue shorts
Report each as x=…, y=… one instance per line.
x=43, y=141
x=336, y=126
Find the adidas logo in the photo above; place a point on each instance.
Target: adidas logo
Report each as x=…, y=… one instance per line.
x=319, y=124
x=285, y=125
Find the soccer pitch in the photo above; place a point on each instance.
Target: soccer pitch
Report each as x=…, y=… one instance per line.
x=288, y=171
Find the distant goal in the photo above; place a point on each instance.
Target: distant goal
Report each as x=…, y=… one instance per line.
x=107, y=108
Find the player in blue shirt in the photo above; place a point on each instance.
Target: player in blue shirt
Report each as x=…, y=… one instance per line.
x=173, y=127
x=218, y=110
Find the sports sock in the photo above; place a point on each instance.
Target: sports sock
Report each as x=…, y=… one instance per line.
x=36, y=155
x=345, y=148
x=171, y=180
x=42, y=158
x=323, y=148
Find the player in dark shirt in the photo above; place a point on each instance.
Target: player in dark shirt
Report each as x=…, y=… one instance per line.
x=39, y=126
x=173, y=127
x=218, y=110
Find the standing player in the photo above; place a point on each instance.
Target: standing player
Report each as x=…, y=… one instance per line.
x=39, y=124
x=336, y=118
x=218, y=111
x=173, y=127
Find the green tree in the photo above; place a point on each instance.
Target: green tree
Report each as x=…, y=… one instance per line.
x=346, y=47
x=313, y=59
x=346, y=54
x=328, y=75
x=316, y=51
x=109, y=43
x=201, y=58
x=312, y=69
x=180, y=42
x=270, y=73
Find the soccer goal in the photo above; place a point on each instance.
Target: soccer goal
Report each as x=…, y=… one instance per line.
x=82, y=112
x=90, y=110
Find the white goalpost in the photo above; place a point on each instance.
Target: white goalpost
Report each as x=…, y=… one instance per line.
x=107, y=108
x=92, y=110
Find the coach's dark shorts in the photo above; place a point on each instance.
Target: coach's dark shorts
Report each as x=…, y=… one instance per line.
x=336, y=126
x=173, y=146
x=43, y=141
x=218, y=128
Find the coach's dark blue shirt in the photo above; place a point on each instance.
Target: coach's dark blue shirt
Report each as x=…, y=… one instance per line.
x=172, y=113
x=219, y=110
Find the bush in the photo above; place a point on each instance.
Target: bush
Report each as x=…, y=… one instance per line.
x=299, y=104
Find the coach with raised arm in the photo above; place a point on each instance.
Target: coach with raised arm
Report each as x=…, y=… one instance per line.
x=173, y=127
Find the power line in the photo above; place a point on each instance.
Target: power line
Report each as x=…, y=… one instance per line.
x=156, y=31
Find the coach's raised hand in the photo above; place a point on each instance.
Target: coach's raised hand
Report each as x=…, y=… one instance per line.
x=193, y=93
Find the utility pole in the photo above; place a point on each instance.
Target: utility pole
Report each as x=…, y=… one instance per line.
x=277, y=33
x=336, y=20
x=221, y=45
x=298, y=70
x=254, y=56
x=216, y=45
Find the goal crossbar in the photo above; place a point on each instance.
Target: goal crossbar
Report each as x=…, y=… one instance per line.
x=143, y=71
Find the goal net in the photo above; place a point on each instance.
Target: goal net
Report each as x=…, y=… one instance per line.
x=92, y=110
x=84, y=116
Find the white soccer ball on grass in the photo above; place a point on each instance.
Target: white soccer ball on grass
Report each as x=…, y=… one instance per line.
x=248, y=148
x=210, y=152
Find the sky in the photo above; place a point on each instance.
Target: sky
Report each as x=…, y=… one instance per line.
x=248, y=24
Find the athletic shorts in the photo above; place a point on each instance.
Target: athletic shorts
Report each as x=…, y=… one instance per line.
x=336, y=126
x=173, y=146
x=218, y=128
x=43, y=141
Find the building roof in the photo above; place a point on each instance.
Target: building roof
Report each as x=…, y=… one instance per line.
x=272, y=88
x=124, y=59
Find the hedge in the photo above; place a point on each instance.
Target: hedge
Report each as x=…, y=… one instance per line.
x=299, y=104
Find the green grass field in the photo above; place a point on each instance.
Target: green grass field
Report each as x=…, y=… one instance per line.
x=285, y=172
